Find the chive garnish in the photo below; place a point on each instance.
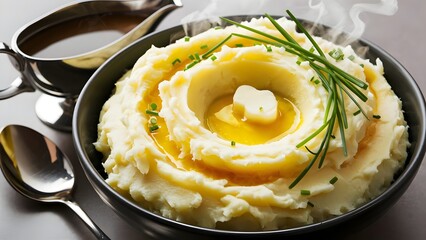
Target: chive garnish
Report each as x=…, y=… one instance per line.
x=187, y=38
x=213, y=57
x=151, y=112
x=177, y=60
x=233, y=143
x=190, y=65
x=357, y=112
x=305, y=192
x=268, y=48
x=337, y=54
x=191, y=57
x=152, y=123
x=153, y=128
x=239, y=45
x=153, y=120
x=336, y=82
x=333, y=180
x=310, y=151
x=204, y=46
x=351, y=57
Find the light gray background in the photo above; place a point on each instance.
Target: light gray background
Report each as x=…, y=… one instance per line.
x=402, y=35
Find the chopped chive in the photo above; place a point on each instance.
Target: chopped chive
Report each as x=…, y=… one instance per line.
x=312, y=49
x=351, y=57
x=317, y=81
x=153, y=106
x=204, y=46
x=187, y=38
x=239, y=45
x=357, y=112
x=362, y=65
x=153, y=120
x=217, y=27
x=151, y=112
x=191, y=65
x=213, y=57
x=305, y=192
x=376, y=116
x=197, y=57
x=312, y=79
x=153, y=128
x=337, y=54
x=191, y=57
x=298, y=62
x=261, y=109
x=310, y=204
x=233, y=143
x=333, y=180
x=177, y=60
x=268, y=48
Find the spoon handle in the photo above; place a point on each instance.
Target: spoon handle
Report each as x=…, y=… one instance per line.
x=86, y=219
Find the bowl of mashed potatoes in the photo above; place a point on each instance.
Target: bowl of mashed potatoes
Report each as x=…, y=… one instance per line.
x=227, y=134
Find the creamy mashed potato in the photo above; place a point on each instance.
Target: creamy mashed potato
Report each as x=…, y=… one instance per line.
x=201, y=162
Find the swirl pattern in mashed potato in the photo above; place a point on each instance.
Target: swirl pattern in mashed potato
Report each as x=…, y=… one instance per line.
x=206, y=165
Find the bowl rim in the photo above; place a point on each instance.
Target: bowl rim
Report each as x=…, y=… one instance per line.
x=407, y=174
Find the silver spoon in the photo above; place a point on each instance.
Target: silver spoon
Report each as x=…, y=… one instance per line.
x=38, y=169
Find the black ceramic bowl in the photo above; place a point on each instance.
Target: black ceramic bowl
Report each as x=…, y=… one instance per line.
x=99, y=88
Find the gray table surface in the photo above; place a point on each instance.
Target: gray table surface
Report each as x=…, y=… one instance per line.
x=403, y=35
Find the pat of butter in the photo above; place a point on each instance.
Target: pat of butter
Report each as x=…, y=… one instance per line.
x=259, y=106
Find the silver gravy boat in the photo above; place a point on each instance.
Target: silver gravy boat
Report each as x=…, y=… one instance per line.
x=61, y=79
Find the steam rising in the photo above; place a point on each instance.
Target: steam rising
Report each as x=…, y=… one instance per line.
x=340, y=16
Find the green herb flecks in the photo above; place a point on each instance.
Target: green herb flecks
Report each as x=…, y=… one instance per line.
x=333, y=180
x=152, y=122
x=151, y=112
x=268, y=48
x=305, y=192
x=337, y=54
x=176, y=61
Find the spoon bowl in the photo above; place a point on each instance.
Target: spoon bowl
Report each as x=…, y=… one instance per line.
x=35, y=167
